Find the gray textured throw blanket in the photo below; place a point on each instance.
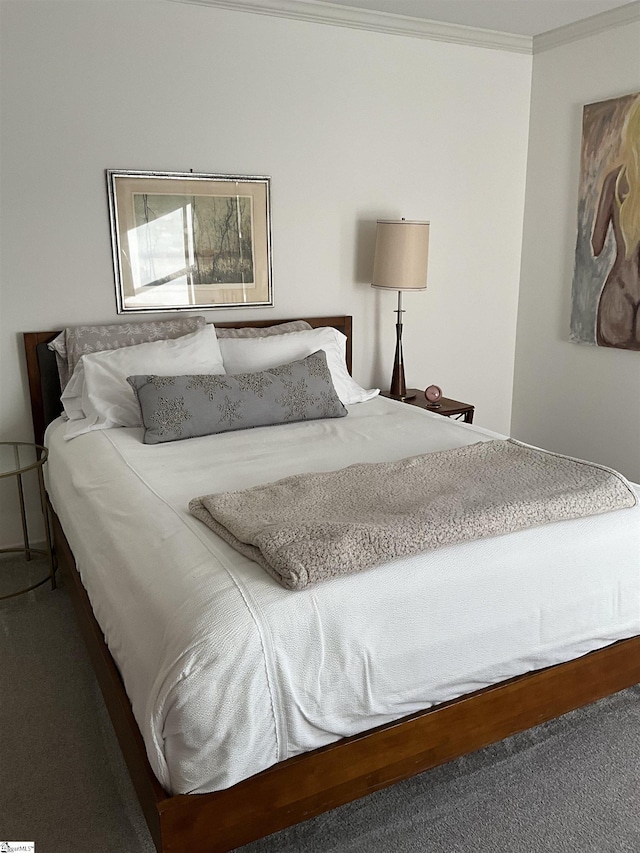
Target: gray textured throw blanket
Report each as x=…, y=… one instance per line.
x=311, y=527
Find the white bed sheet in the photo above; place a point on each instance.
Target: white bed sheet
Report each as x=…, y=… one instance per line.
x=229, y=673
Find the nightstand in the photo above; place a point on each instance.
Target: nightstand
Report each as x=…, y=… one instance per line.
x=448, y=408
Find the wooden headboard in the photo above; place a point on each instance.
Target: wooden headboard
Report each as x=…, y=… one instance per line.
x=44, y=384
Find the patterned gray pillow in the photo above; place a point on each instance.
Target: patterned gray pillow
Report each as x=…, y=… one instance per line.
x=263, y=331
x=72, y=343
x=175, y=407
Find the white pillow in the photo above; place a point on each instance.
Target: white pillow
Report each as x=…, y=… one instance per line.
x=252, y=354
x=98, y=395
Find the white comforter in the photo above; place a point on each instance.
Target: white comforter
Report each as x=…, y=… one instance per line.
x=229, y=673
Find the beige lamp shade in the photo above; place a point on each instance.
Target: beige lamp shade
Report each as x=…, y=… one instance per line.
x=402, y=254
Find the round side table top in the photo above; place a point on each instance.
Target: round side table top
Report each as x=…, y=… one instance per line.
x=16, y=457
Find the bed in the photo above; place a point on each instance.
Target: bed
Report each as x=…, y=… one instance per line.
x=401, y=738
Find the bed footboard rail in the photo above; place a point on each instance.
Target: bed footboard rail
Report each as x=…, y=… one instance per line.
x=310, y=784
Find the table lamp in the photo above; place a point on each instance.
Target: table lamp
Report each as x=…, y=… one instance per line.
x=401, y=257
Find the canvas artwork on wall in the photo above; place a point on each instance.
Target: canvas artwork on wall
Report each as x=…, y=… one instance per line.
x=605, y=307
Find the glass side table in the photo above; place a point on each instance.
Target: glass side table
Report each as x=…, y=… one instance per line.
x=16, y=459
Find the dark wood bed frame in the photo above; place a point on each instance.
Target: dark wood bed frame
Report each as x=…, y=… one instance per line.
x=309, y=784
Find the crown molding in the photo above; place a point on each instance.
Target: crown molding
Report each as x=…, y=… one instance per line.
x=319, y=12
x=627, y=14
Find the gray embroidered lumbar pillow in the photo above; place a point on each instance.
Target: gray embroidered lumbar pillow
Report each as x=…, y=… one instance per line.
x=176, y=407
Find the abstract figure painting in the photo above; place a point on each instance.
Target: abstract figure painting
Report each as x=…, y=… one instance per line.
x=605, y=307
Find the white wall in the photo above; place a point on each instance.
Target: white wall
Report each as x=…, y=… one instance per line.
x=570, y=398
x=350, y=125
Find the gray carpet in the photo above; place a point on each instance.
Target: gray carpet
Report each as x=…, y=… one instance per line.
x=570, y=786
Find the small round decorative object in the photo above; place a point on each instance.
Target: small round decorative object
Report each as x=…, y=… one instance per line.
x=433, y=394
